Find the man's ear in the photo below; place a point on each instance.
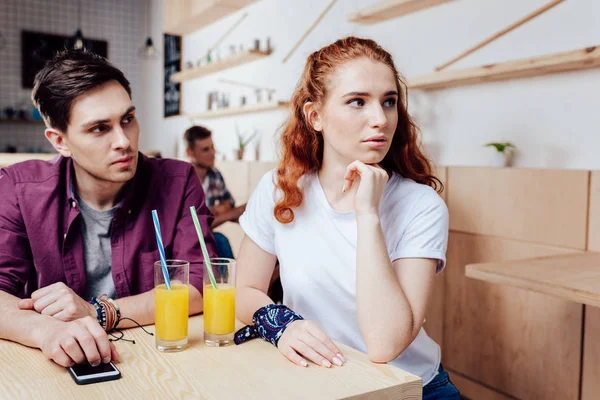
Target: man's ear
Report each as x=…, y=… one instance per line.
x=57, y=139
x=189, y=153
x=312, y=116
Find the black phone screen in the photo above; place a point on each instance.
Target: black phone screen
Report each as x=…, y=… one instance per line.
x=87, y=369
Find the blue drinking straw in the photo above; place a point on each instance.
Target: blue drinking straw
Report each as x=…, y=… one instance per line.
x=161, y=249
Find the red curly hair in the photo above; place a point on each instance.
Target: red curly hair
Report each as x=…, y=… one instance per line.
x=302, y=146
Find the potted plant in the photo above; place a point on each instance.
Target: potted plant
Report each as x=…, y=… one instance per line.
x=243, y=142
x=503, y=154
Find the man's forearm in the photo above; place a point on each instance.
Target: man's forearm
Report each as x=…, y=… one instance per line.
x=141, y=307
x=232, y=215
x=21, y=326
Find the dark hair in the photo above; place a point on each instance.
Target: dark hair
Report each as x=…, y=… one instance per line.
x=68, y=75
x=194, y=133
x=302, y=146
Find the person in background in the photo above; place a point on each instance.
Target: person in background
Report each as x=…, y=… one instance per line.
x=353, y=216
x=80, y=226
x=201, y=152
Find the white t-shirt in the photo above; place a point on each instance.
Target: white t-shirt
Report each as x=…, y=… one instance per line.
x=317, y=255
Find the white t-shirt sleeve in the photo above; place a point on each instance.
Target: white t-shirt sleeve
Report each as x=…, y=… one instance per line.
x=426, y=232
x=257, y=220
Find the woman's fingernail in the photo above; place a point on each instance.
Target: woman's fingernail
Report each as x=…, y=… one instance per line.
x=326, y=364
x=304, y=363
x=95, y=363
x=341, y=357
x=337, y=361
x=106, y=360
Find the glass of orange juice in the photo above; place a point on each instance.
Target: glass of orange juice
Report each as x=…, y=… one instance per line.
x=219, y=303
x=171, y=305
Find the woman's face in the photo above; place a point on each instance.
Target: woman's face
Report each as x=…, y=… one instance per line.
x=359, y=116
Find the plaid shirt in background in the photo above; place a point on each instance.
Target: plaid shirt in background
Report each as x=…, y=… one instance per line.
x=215, y=189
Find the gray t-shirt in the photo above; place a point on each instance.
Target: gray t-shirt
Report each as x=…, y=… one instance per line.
x=95, y=228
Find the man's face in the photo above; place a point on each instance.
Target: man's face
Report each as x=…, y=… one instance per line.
x=203, y=153
x=102, y=135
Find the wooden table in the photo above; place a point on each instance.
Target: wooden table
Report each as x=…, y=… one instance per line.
x=573, y=277
x=254, y=370
x=11, y=158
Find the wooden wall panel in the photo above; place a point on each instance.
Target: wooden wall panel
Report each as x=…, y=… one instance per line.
x=521, y=343
x=257, y=170
x=241, y=177
x=540, y=206
x=590, y=389
x=442, y=174
x=594, y=221
x=472, y=390
x=236, y=175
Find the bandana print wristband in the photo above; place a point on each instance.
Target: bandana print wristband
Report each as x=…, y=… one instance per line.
x=269, y=323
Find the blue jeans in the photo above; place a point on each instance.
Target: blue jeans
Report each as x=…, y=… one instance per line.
x=440, y=388
x=223, y=246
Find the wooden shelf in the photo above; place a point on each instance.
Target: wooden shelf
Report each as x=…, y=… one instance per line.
x=185, y=16
x=572, y=277
x=219, y=65
x=560, y=62
x=21, y=122
x=391, y=9
x=255, y=108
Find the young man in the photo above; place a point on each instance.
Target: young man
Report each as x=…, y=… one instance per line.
x=81, y=225
x=201, y=152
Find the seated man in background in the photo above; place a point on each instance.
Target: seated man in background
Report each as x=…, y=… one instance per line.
x=201, y=151
x=80, y=226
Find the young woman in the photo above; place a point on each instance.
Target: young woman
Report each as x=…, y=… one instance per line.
x=352, y=215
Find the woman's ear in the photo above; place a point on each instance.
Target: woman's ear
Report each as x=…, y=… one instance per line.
x=312, y=116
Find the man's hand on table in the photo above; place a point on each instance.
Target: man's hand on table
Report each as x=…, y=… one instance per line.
x=60, y=302
x=75, y=342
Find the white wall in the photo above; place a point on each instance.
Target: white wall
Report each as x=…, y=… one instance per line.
x=553, y=119
x=119, y=22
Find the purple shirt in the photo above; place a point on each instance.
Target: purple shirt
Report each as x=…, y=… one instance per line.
x=40, y=228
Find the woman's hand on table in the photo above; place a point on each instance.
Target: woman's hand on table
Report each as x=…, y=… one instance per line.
x=58, y=301
x=75, y=342
x=304, y=340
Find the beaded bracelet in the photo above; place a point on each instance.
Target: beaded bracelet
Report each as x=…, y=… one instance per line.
x=108, y=312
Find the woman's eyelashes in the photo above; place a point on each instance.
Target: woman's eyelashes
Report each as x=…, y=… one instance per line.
x=391, y=102
x=358, y=102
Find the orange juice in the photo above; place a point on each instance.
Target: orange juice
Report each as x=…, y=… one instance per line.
x=219, y=309
x=171, y=312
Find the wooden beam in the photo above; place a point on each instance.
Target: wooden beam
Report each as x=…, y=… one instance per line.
x=559, y=62
x=500, y=33
x=244, y=84
x=309, y=30
x=391, y=9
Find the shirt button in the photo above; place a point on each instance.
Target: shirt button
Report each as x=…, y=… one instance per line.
x=129, y=212
x=72, y=203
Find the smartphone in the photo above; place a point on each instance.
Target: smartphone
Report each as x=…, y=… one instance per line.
x=84, y=373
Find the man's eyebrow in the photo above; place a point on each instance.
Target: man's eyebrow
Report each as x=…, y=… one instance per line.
x=104, y=121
